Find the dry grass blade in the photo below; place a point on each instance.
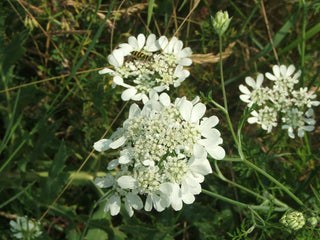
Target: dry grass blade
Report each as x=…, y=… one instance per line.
x=210, y=57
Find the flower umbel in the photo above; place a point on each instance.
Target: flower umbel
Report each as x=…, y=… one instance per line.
x=24, y=228
x=281, y=104
x=148, y=64
x=163, y=154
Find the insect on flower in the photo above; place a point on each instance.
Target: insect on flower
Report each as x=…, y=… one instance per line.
x=141, y=55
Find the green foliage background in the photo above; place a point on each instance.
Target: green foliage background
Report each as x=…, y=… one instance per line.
x=54, y=105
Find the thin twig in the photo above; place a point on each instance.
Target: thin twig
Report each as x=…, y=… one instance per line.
x=269, y=33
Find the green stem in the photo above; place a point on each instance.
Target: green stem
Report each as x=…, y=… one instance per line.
x=224, y=93
x=223, y=178
x=241, y=204
x=303, y=43
x=275, y=181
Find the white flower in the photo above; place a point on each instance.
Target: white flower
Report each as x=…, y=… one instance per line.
x=303, y=98
x=24, y=228
x=163, y=154
x=174, y=51
x=295, y=119
x=258, y=95
x=282, y=77
x=266, y=117
x=281, y=98
x=145, y=65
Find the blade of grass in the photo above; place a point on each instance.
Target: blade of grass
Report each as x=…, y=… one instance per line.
x=150, y=11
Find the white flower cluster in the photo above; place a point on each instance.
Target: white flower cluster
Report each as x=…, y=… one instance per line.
x=24, y=228
x=146, y=64
x=282, y=101
x=163, y=155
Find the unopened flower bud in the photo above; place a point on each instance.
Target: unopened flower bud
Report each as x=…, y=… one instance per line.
x=293, y=220
x=221, y=22
x=313, y=221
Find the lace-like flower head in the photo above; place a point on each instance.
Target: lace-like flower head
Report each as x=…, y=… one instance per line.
x=25, y=228
x=148, y=64
x=163, y=154
x=281, y=103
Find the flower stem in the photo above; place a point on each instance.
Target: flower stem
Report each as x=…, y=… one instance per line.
x=224, y=93
x=241, y=204
x=275, y=181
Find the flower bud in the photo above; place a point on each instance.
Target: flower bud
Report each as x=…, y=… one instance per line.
x=220, y=22
x=313, y=221
x=293, y=220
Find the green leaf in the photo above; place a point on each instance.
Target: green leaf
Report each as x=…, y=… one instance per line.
x=150, y=11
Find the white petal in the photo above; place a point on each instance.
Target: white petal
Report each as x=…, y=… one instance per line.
x=308, y=129
x=211, y=133
x=113, y=164
x=186, y=52
x=141, y=40
x=127, y=182
x=134, y=110
x=152, y=45
x=118, y=80
x=178, y=47
x=187, y=197
x=102, y=145
x=113, y=205
x=124, y=159
x=209, y=123
x=195, y=100
x=128, y=94
x=270, y=76
x=160, y=203
x=172, y=190
x=148, y=203
x=250, y=82
x=118, y=143
x=290, y=70
x=185, y=109
x=200, y=165
x=126, y=48
x=246, y=99
x=163, y=41
x=216, y=152
x=106, y=70
x=197, y=112
x=244, y=89
x=185, y=62
x=199, y=151
x=276, y=71
x=116, y=58
x=259, y=80
x=192, y=184
x=133, y=42
x=133, y=201
x=297, y=74
x=104, y=182
x=165, y=99
x=283, y=70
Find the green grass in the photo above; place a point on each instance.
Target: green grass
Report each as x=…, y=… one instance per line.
x=54, y=105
